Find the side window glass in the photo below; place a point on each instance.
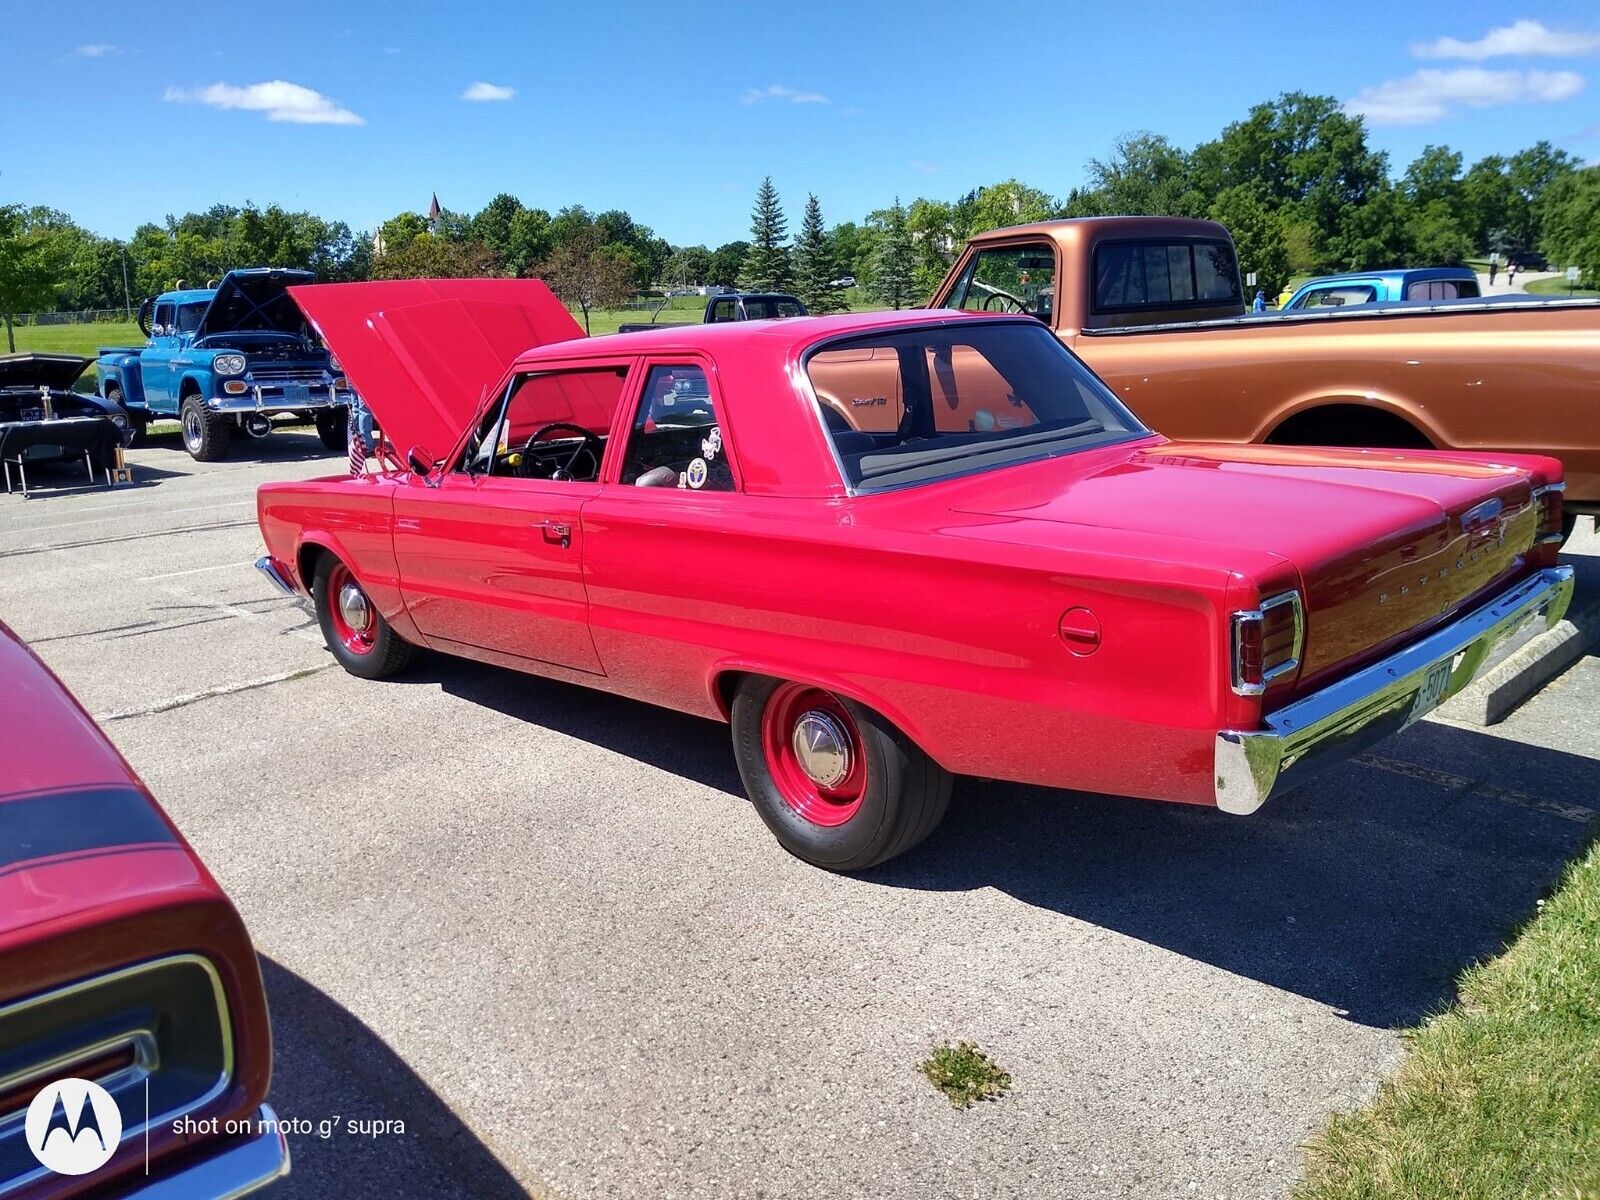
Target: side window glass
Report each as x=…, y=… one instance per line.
x=164, y=313
x=723, y=311
x=676, y=440
x=551, y=425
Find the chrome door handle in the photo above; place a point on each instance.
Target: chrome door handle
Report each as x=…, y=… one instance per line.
x=555, y=531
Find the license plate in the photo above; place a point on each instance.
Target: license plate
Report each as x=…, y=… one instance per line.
x=1432, y=691
x=296, y=393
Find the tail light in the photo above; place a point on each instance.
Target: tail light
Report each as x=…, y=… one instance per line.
x=1266, y=642
x=1548, y=500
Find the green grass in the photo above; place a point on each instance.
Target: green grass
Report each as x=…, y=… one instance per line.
x=965, y=1074
x=1558, y=287
x=1499, y=1096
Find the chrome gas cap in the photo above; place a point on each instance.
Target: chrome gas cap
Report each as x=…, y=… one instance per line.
x=353, y=606
x=822, y=747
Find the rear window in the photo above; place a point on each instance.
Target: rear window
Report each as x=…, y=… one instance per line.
x=1336, y=297
x=1442, y=289
x=1164, y=274
x=915, y=405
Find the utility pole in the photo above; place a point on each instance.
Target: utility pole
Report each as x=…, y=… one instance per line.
x=127, y=300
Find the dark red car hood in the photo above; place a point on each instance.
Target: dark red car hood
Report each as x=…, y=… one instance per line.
x=424, y=352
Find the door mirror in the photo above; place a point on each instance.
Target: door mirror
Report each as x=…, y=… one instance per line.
x=421, y=462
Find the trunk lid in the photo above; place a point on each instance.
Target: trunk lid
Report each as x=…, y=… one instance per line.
x=32, y=369
x=423, y=353
x=1385, y=543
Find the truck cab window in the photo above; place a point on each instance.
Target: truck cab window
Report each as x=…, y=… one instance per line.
x=1008, y=279
x=1164, y=275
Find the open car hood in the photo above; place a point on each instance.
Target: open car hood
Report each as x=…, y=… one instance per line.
x=423, y=353
x=254, y=300
x=58, y=371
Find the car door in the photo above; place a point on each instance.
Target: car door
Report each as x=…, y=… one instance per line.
x=490, y=554
x=155, y=361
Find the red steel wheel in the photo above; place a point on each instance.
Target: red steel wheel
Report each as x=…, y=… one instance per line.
x=814, y=753
x=355, y=621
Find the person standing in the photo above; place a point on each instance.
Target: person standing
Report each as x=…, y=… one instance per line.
x=1494, y=268
x=362, y=441
x=1260, y=305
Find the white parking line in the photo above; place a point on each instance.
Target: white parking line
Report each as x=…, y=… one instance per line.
x=191, y=571
x=120, y=516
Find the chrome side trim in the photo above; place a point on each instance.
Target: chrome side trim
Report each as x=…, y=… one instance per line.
x=240, y=1170
x=1259, y=615
x=1555, y=537
x=1346, y=717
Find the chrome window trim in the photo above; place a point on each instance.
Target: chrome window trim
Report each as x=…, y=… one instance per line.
x=1258, y=615
x=224, y=1016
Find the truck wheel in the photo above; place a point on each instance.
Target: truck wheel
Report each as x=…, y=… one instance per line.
x=364, y=643
x=837, y=783
x=206, y=434
x=333, y=427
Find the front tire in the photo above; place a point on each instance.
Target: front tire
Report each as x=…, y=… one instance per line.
x=206, y=434
x=364, y=643
x=836, y=782
x=333, y=427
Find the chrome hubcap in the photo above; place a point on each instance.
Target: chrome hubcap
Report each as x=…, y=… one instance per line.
x=822, y=748
x=191, y=429
x=353, y=606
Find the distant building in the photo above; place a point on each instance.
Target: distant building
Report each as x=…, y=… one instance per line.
x=434, y=212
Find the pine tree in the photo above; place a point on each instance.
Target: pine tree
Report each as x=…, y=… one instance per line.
x=766, y=264
x=894, y=266
x=813, y=263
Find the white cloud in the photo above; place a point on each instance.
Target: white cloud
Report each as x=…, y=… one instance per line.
x=779, y=91
x=1432, y=94
x=280, y=101
x=1523, y=38
x=488, y=91
x=96, y=50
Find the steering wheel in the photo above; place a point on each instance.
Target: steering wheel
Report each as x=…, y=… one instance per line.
x=591, y=445
x=997, y=302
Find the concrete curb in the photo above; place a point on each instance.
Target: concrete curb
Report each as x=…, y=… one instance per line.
x=1498, y=694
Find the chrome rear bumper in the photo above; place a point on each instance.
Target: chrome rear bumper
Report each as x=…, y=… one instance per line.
x=241, y=1170
x=269, y=567
x=1345, y=718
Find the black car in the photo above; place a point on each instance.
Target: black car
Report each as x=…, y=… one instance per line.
x=1529, y=260
x=43, y=420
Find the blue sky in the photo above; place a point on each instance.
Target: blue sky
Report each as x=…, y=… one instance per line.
x=120, y=113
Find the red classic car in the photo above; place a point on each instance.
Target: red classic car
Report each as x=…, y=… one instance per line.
x=892, y=548
x=122, y=966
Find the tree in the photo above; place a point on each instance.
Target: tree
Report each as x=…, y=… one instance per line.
x=726, y=262
x=33, y=261
x=398, y=230
x=492, y=224
x=766, y=264
x=1146, y=174
x=688, y=265
x=529, y=240
x=813, y=263
x=1572, y=222
x=1257, y=236
x=584, y=272
x=893, y=262
x=432, y=256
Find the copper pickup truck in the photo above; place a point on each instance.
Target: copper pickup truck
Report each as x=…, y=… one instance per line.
x=1154, y=305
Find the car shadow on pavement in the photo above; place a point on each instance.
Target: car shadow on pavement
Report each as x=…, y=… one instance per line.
x=1370, y=890
x=294, y=443
x=330, y=1067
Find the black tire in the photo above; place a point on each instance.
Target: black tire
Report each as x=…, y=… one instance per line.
x=206, y=434
x=138, y=422
x=388, y=653
x=904, y=796
x=333, y=427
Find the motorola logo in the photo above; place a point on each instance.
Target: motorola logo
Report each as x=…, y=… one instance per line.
x=73, y=1126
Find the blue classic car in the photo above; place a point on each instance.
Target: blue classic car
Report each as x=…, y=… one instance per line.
x=228, y=359
x=1371, y=287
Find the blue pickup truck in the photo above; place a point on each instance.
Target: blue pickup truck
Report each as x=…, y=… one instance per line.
x=1374, y=287
x=227, y=360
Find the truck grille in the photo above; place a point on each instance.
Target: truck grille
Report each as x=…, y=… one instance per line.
x=310, y=376
x=163, y=1023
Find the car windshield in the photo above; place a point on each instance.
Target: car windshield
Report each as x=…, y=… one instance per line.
x=189, y=315
x=915, y=405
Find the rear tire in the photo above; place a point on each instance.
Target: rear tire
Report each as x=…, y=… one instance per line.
x=333, y=427
x=206, y=434
x=862, y=793
x=138, y=422
x=364, y=643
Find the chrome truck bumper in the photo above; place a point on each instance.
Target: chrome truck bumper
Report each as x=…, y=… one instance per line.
x=241, y=1170
x=270, y=400
x=1344, y=718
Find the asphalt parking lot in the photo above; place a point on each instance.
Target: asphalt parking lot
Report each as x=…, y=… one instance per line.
x=543, y=928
